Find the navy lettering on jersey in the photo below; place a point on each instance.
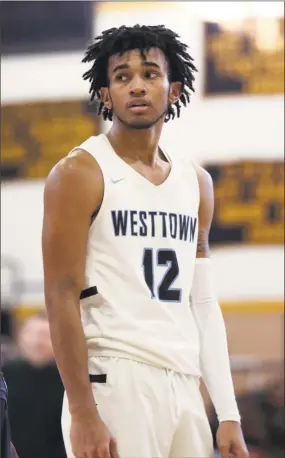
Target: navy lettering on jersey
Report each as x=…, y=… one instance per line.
x=133, y=222
x=173, y=225
x=120, y=220
x=136, y=223
x=163, y=215
x=143, y=227
x=193, y=224
x=183, y=226
x=152, y=215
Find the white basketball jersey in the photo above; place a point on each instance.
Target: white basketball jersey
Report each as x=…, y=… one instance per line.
x=139, y=267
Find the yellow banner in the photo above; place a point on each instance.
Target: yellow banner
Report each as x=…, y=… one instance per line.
x=244, y=56
x=249, y=202
x=36, y=136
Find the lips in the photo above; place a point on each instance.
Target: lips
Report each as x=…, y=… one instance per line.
x=139, y=109
x=138, y=106
x=138, y=103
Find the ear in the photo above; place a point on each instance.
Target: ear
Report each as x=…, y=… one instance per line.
x=105, y=97
x=175, y=92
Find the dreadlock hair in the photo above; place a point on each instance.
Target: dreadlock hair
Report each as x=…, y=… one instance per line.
x=120, y=40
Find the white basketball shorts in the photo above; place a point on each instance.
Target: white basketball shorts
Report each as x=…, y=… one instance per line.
x=151, y=412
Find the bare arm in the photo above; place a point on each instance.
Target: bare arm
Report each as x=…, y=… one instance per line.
x=206, y=210
x=73, y=190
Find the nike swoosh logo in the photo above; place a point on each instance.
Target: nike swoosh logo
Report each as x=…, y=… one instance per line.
x=116, y=181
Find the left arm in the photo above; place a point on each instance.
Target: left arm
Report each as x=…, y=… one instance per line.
x=214, y=356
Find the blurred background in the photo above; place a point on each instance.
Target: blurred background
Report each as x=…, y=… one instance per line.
x=234, y=127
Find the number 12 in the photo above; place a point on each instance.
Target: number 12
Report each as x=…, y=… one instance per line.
x=164, y=290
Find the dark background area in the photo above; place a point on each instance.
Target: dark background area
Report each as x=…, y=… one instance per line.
x=45, y=26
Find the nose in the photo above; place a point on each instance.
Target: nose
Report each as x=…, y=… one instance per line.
x=137, y=88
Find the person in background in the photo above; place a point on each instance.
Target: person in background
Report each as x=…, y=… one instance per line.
x=6, y=446
x=35, y=393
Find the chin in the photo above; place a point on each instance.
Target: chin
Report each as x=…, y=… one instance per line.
x=140, y=123
x=141, y=126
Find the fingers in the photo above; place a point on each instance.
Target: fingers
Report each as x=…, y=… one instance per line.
x=241, y=452
x=224, y=450
x=114, y=448
x=102, y=452
x=108, y=451
x=13, y=452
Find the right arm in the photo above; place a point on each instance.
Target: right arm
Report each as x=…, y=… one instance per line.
x=73, y=191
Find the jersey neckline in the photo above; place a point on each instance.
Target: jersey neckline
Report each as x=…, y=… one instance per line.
x=137, y=174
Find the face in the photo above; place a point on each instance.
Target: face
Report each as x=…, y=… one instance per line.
x=35, y=342
x=139, y=90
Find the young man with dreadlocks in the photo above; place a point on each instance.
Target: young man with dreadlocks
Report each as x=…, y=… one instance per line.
x=133, y=315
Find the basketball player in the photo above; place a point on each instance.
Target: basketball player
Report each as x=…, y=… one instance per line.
x=133, y=315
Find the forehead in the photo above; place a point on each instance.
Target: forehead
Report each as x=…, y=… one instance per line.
x=134, y=58
x=35, y=323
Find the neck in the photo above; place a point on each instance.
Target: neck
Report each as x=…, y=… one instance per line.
x=135, y=143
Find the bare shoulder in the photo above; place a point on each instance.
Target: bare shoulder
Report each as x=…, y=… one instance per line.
x=206, y=207
x=76, y=176
x=205, y=181
x=73, y=192
x=78, y=166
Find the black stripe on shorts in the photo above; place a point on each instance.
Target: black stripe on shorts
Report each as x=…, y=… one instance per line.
x=98, y=378
x=92, y=291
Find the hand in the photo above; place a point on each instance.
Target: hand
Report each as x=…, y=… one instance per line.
x=13, y=452
x=90, y=437
x=230, y=440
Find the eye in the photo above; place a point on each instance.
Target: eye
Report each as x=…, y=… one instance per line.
x=121, y=77
x=151, y=75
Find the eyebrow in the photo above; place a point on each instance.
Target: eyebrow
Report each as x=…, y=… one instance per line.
x=145, y=63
